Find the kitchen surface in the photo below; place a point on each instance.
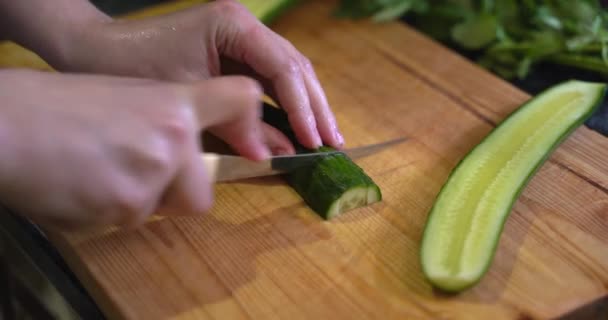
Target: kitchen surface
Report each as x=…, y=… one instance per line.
x=261, y=253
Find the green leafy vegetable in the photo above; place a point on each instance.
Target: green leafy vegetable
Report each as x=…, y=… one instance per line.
x=511, y=36
x=477, y=32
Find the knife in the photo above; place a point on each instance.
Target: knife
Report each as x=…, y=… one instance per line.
x=221, y=168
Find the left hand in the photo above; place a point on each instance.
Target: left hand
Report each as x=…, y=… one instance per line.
x=221, y=37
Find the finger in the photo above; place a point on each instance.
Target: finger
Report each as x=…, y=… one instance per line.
x=258, y=47
x=243, y=140
x=326, y=122
x=230, y=66
x=276, y=141
x=231, y=106
x=191, y=192
x=231, y=103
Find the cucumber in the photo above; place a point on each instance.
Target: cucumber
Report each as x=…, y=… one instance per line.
x=333, y=184
x=465, y=223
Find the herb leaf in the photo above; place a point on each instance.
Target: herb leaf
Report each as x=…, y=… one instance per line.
x=477, y=32
x=511, y=34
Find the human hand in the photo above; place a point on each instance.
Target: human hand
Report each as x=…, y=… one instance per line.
x=218, y=38
x=80, y=150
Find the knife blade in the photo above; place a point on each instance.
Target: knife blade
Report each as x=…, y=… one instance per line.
x=221, y=168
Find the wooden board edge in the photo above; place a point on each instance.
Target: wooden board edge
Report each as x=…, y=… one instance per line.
x=85, y=276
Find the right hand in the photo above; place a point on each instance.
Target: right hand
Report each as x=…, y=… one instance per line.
x=81, y=150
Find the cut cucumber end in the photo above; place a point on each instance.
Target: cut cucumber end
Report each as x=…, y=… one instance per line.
x=373, y=194
x=354, y=198
x=467, y=219
x=450, y=283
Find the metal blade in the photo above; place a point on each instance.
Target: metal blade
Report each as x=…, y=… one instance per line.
x=360, y=152
x=235, y=167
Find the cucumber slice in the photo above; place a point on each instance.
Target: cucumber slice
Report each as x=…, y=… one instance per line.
x=468, y=216
x=333, y=184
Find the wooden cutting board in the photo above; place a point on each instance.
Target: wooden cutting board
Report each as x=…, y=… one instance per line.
x=262, y=254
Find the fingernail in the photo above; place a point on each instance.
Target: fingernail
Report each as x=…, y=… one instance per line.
x=318, y=141
x=339, y=138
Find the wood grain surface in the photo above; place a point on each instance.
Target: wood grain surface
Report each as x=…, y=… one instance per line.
x=262, y=254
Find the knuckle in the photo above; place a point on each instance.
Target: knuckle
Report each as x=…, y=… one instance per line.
x=290, y=66
x=306, y=63
x=178, y=126
x=227, y=7
x=252, y=88
x=177, y=119
x=249, y=89
x=252, y=30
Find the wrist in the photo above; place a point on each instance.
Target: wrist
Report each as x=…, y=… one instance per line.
x=53, y=30
x=66, y=45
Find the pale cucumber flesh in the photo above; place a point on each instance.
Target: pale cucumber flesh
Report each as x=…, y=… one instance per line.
x=354, y=198
x=468, y=216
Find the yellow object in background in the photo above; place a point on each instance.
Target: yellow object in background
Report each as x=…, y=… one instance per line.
x=13, y=55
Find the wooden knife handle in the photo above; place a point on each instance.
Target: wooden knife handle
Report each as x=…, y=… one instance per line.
x=211, y=162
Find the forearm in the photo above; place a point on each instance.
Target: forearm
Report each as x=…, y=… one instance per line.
x=48, y=28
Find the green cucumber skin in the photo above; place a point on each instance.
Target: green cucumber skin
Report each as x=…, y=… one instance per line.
x=322, y=183
x=535, y=169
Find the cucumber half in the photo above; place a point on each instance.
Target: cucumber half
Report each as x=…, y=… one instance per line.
x=465, y=223
x=333, y=184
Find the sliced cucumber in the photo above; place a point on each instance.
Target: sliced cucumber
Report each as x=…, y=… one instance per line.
x=467, y=219
x=332, y=185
